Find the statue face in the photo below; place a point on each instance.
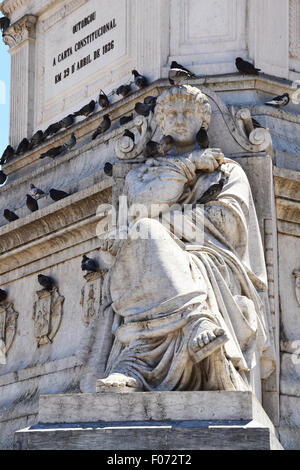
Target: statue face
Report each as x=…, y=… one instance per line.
x=182, y=121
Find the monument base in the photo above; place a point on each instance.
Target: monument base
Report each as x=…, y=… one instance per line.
x=151, y=421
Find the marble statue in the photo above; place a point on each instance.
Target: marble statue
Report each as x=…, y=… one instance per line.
x=190, y=309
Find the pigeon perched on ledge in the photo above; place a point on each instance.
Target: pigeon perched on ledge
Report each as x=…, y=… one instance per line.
x=87, y=109
x=143, y=109
x=4, y=23
x=139, y=80
x=46, y=282
x=108, y=169
x=178, y=73
x=150, y=100
x=123, y=90
x=129, y=134
x=3, y=295
x=279, y=101
x=212, y=193
x=57, y=195
x=246, y=68
x=71, y=142
x=10, y=215
x=67, y=122
x=125, y=119
x=103, y=127
x=36, y=193
x=3, y=177
x=23, y=147
x=36, y=139
x=53, y=129
x=103, y=100
x=7, y=154
x=54, y=152
x=88, y=264
x=202, y=138
x=31, y=203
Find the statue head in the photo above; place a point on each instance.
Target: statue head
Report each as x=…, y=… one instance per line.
x=181, y=111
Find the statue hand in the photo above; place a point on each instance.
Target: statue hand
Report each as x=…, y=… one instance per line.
x=208, y=160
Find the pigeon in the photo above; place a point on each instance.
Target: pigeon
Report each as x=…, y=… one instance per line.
x=126, y=119
x=53, y=129
x=67, y=121
x=178, y=73
x=87, y=109
x=129, y=134
x=3, y=293
x=31, y=203
x=7, y=154
x=150, y=100
x=36, y=139
x=202, y=138
x=279, y=101
x=139, y=80
x=70, y=143
x=4, y=23
x=151, y=149
x=108, y=169
x=245, y=67
x=36, y=193
x=57, y=195
x=46, y=282
x=3, y=177
x=256, y=124
x=54, y=152
x=89, y=264
x=23, y=147
x=103, y=126
x=10, y=215
x=103, y=100
x=143, y=109
x=165, y=145
x=212, y=193
x=123, y=90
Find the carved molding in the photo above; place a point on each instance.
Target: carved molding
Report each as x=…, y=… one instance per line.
x=20, y=31
x=9, y=6
x=126, y=149
x=296, y=274
x=294, y=28
x=8, y=327
x=47, y=315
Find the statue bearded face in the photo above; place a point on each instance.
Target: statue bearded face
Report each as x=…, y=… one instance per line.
x=181, y=112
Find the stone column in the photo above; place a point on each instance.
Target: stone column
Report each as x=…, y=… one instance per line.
x=20, y=37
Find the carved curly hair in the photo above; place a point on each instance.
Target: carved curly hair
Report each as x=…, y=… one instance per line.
x=188, y=92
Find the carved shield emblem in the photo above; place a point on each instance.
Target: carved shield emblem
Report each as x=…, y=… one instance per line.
x=91, y=296
x=47, y=314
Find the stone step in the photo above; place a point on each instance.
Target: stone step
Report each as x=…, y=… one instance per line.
x=150, y=420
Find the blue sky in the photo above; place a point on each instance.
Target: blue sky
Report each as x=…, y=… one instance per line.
x=4, y=107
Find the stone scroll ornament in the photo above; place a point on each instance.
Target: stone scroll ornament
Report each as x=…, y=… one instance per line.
x=8, y=328
x=47, y=315
x=188, y=296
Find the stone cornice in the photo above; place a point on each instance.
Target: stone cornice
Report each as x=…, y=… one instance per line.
x=20, y=31
x=9, y=6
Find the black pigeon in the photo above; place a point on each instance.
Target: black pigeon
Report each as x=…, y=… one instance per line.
x=129, y=134
x=103, y=100
x=151, y=149
x=103, y=126
x=54, y=152
x=212, y=193
x=202, y=138
x=175, y=65
x=36, y=193
x=143, y=109
x=87, y=109
x=123, y=90
x=70, y=143
x=23, y=147
x=7, y=154
x=4, y=23
x=245, y=67
x=36, y=139
x=108, y=169
x=46, y=282
x=10, y=215
x=256, y=124
x=67, y=122
x=53, y=129
x=31, y=203
x=139, y=80
x=167, y=142
x=279, y=101
x=126, y=119
x=88, y=264
x=3, y=293
x=57, y=195
x=3, y=177
x=150, y=100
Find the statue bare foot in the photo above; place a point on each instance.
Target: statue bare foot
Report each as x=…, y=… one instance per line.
x=117, y=382
x=207, y=339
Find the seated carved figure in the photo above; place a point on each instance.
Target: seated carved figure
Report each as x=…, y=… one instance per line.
x=190, y=299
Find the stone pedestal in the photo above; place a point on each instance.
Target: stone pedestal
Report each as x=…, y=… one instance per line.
x=150, y=420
